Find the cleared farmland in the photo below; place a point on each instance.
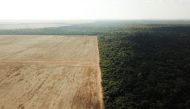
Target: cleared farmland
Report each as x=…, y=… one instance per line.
x=50, y=72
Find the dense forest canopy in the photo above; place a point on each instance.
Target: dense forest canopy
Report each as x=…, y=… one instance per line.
x=147, y=69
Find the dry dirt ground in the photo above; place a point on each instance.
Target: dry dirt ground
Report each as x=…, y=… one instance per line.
x=50, y=72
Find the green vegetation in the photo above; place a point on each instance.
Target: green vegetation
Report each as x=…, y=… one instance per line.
x=97, y=28
x=147, y=70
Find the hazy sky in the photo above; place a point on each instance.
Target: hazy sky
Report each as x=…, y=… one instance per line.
x=94, y=9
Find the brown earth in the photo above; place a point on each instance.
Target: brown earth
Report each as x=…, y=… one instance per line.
x=50, y=72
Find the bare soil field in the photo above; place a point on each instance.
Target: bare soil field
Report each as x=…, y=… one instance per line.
x=50, y=72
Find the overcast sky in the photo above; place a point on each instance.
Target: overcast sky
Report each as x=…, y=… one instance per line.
x=93, y=9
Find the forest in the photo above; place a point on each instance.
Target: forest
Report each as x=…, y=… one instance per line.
x=148, y=69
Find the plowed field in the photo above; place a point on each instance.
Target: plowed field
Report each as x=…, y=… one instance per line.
x=50, y=72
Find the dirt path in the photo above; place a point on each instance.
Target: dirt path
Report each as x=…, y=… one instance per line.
x=50, y=72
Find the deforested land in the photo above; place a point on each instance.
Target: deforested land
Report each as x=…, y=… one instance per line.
x=49, y=72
